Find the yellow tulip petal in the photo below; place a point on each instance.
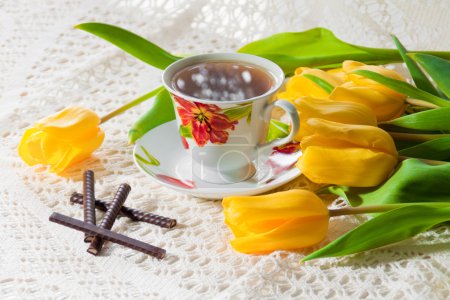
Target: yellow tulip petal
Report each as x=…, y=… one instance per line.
x=350, y=66
x=299, y=70
x=78, y=152
x=292, y=234
x=73, y=122
x=286, y=96
x=356, y=135
x=29, y=147
x=285, y=199
x=343, y=112
x=65, y=160
x=250, y=215
x=384, y=106
x=328, y=77
x=54, y=148
x=357, y=167
x=299, y=86
x=339, y=73
x=259, y=221
x=62, y=139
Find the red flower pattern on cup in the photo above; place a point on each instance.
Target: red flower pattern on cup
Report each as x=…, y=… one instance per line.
x=183, y=183
x=288, y=148
x=184, y=142
x=206, y=120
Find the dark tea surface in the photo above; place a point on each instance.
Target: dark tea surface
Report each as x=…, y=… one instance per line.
x=222, y=81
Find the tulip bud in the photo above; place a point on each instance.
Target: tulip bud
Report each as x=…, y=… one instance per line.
x=344, y=154
x=342, y=112
x=338, y=73
x=299, y=85
x=62, y=139
x=386, y=103
x=281, y=221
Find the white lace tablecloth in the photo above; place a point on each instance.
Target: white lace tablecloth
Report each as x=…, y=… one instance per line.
x=46, y=65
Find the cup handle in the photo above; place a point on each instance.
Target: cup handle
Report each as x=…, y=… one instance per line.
x=295, y=122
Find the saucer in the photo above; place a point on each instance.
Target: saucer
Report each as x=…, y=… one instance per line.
x=161, y=155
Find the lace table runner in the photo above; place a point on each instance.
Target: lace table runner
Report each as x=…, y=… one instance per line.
x=46, y=65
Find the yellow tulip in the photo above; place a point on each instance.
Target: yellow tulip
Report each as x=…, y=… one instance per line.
x=342, y=112
x=338, y=73
x=385, y=106
x=386, y=103
x=62, y=139
x=299, y=85
x=345, y=154
x=349, y=66
x=281, y=221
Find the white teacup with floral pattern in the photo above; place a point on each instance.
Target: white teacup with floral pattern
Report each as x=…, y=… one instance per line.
x=225, y=137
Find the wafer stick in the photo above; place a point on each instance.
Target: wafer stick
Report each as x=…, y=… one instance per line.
x=110, y=217
x=132, y=213
x=108, y=235
x=88, y=201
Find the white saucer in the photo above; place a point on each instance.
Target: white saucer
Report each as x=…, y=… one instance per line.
x=161, y=155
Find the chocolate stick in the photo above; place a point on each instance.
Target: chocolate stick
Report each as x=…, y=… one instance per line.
x=108, y=235
x=133, y=214
x=88, y=201
x=110, y=216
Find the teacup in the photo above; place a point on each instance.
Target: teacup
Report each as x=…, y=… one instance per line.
x=225, y=137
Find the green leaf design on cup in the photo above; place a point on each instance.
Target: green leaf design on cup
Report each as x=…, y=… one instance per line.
x=238, y=112
x=150, y=159
x=186, y=131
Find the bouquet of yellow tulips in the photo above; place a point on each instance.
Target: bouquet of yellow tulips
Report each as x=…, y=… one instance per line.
x=363, y=126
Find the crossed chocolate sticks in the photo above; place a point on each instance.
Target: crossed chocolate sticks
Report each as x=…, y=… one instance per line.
x=96, y=235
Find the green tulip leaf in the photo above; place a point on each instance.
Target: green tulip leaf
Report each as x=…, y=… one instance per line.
x=433, y=119
x=325, y=85
x=401, y=144
x=420, y=79
x=437, y=68
x=131, y=43
x=403, y=88
x=390, y=227
x=277, y=130
x=413, y=181
x=161, y=112
x=318, y=48
x=438, y=149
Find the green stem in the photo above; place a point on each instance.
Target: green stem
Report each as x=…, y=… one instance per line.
x=415, y=137
x=130, y=104
x=334, y=212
